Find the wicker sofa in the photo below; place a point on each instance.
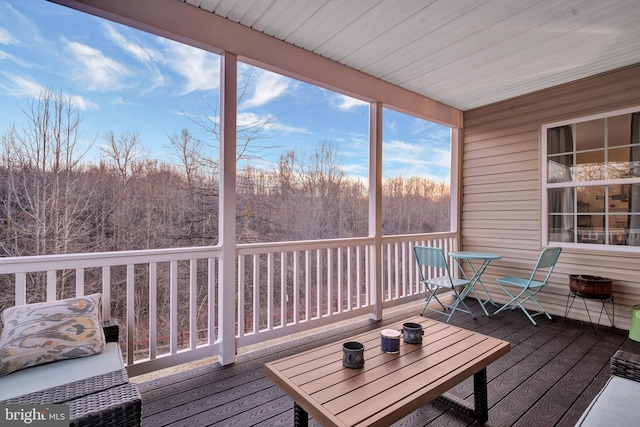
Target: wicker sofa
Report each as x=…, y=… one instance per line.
x=96, y=388
x=615, y=405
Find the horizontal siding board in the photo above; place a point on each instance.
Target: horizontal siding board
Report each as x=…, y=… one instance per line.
x=530, y=157
x=481, y=141
x=498, y=167
x=502, y=196
x=501, y=188
x=481, y=149
x=509, y=216
x=510, y=182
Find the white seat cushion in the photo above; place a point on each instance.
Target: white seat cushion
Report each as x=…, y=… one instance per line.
x=61, y=372
x=614, y=406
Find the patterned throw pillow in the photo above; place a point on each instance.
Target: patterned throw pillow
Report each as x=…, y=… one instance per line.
x=44, y=332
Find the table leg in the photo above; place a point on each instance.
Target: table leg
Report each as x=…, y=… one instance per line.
x=476, y=279
x=480, y=408
x=300, y=416
x=480, y=396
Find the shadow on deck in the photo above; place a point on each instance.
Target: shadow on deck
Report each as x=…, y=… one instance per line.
x=551, y=374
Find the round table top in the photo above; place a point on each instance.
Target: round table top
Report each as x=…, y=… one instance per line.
x=474, y=255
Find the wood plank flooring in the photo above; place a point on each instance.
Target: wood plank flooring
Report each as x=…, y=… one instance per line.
x=551, y=374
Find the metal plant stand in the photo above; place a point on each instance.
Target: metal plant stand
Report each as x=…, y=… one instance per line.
x=604, y=299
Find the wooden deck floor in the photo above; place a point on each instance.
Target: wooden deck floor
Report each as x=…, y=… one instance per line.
x=547, y=379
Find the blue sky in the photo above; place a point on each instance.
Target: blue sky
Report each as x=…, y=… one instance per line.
x=130, y=82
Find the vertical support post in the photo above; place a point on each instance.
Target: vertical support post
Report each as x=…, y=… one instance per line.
x=455, y=205
x=375, y=209
x=227, y=200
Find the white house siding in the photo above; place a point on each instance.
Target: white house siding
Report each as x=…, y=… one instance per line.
x=501, y=189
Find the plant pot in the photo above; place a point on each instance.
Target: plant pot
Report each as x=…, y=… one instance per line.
x=590, y=285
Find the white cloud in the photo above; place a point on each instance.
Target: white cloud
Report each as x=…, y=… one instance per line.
x=143, y=54
x=118, y=100
x=391, y=125
x=23, y=87
x=267, y=87
x=250, y=119
x=407, y=159
x=148, y=56
x=100, y=72
x=401, y=148
x=5, y=37
x=20, y=86
x=83, y=104
x=200, y=68
x=346, y=103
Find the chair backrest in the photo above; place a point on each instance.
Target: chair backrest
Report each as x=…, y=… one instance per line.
x=426, y=256
x=547, y=260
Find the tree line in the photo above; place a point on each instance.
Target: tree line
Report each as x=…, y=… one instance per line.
x=53, y=200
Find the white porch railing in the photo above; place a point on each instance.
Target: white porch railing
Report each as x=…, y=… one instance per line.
x=166, y=300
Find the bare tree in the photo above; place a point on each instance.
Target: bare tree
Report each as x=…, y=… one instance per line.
x=46, y=199
x=46, y=195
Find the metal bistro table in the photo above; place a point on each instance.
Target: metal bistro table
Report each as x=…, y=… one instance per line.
x=484, y=258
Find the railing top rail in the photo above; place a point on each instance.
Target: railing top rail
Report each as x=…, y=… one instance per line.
x=416, y=237
x=253, y=248
x=26, y=264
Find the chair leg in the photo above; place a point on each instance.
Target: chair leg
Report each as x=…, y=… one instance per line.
x=532, y=297
x=508, y=304
x=431, y=296
x=453, y=308
x=457, y=302
x=519, y=304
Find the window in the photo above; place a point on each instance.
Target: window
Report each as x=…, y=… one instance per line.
x=592, y=180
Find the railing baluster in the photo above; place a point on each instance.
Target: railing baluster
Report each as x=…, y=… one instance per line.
x=79, y=282
x=296, y=287
x=173, y=307
x=131, y=312
x=340, y=276
x=349, y=278
x=284, y=296
x=51, y=285
x=358, y=278
x=153, y=310
x=106, y=294
x=193, y=301
x=307, y=284
x=20, y=288
x=330, y=281
x=256, y=294
x=242, y=324
x=318, y=283
x=270, y=293
x=212, y=281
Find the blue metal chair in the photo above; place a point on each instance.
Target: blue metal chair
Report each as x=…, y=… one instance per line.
x=527, y=288
x=432, y=260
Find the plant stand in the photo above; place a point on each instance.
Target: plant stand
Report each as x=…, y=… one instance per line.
x=604, y=299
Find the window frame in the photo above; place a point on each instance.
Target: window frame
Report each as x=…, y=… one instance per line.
x=545, y=186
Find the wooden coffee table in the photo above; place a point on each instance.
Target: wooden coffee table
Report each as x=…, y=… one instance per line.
x=389, y=386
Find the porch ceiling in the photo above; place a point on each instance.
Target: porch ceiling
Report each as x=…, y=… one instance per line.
x=463, y=53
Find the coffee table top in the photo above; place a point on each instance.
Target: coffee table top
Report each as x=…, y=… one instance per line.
x=389, y=386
